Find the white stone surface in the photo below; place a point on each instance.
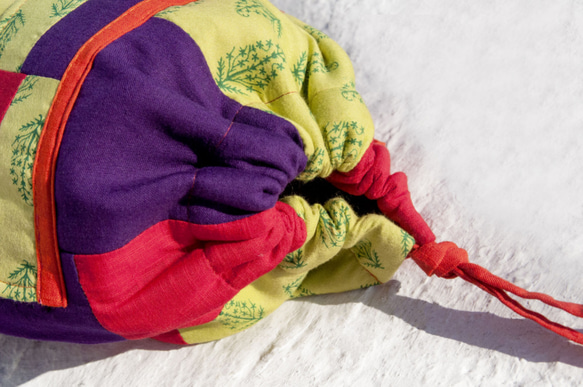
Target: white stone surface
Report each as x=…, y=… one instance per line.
x=481, y=104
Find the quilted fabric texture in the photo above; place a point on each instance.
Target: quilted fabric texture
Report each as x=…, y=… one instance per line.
x=155, y=158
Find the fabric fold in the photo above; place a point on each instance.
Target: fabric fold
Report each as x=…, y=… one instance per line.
x=372, y=178
x=341, y=252
x=178, y=274
x=151, y=137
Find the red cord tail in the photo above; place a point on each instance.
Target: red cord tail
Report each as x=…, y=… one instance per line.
x=372, y=178
x=446, y=260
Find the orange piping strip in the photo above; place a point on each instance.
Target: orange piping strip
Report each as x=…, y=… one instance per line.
x=51, y=285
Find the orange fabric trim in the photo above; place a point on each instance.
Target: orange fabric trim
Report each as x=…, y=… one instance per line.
x=50, y=285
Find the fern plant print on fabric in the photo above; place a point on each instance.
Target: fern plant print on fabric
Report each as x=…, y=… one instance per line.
x=23, y=283
x=250, y=68
x=343, y=140
x=370, y=284
x=209, y=84
x=290, y=288
x=367, y=256
x=62, y=8
x=239, y=315
x=248, y=7
x=294, y=260
x=315, y=163
x=333, y=225
x=316, y=34
x=171, y=10
x=295, y=289
x=23, y=154
x=25, y=89
x=407, y=243
x=9, y=27
x=350, y=94
x=303, y=69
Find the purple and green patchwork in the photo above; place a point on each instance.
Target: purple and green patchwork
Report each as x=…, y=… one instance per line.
x=189, y=186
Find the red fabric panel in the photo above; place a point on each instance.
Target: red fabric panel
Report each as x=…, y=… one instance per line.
x=178, y=274
x=372, y=177
x=9, y=83
x=173, y=337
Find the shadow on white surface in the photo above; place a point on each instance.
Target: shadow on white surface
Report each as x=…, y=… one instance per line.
x=22, y=360
x=516, y=337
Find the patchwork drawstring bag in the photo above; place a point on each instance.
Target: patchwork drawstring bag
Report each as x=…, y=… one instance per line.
x=177, y=169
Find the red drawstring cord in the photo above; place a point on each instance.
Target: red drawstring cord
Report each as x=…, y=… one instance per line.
x=446, y=260
x=372, y=178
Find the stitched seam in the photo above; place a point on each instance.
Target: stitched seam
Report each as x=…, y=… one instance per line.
x=79, y=67
x=56, y=146
x=364, y=268
x=273, y=100
x=225, y=136
x=283, y=95
x=229, y=128
x=322, y=91
x=17, y=286
x=219, y=275
x=190, y=195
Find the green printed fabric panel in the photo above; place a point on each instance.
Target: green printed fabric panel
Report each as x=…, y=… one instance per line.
x=247, y=8
x=19, y=134
x=24, y=22
x=268, y=60
x=342, y=252
x=372, y=245
x=7, y=10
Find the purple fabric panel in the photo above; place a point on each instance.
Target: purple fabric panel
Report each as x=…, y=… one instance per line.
x=76, y=323
x=151, y=138
x=252, y=164
x=55, y=49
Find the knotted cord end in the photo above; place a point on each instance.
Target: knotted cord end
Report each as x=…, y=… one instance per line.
x=447, y=260
x=440, y=259
x=373, y=179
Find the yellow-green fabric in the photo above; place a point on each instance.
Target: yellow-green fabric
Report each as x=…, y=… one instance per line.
x=343, y=252
x=8, y=8
x=19, y=134
x=268, y=60
x=23, y=23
